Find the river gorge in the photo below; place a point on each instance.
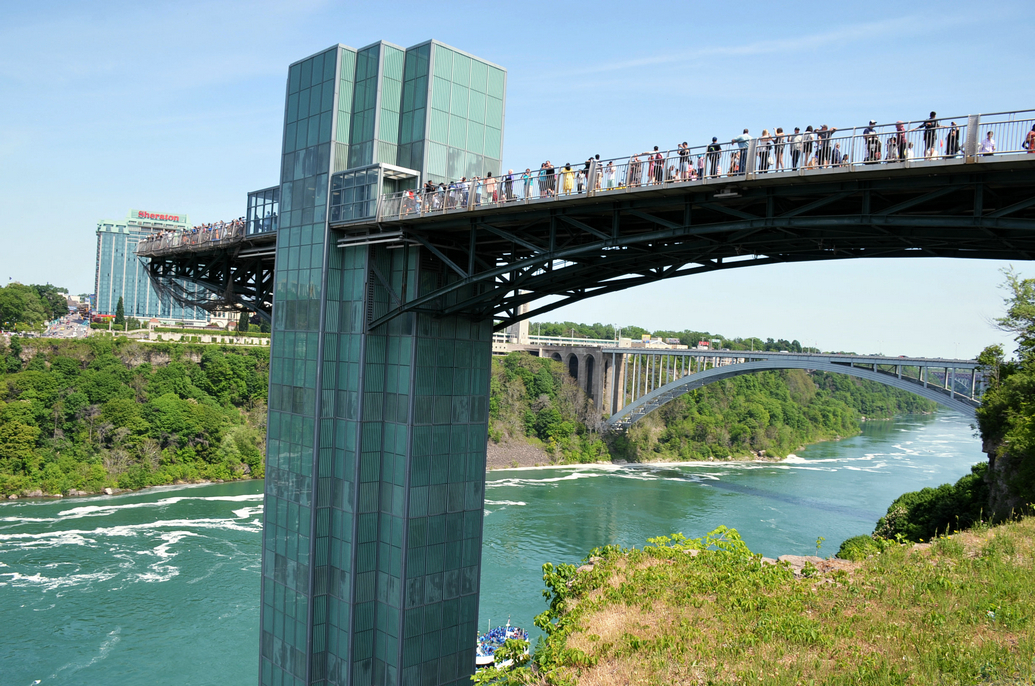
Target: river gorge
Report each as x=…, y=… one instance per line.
x=161, y=587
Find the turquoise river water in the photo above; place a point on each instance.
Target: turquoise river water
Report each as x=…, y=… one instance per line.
x=161, y=587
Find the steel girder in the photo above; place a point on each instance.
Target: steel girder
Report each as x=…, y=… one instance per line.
x=495, y=260
x=230, y=277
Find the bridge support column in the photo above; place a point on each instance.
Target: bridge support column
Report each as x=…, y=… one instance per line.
x=375, y=478
x=616, y=384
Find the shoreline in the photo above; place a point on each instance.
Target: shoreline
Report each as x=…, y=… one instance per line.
x=14, y=497
x=510, y=455
x=662, y=463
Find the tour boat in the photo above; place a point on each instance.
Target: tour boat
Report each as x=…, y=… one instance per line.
x=492, y=640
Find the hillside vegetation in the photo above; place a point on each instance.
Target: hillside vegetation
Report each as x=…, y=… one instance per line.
x=533, y=399
x=108, y=412
x=708, y=611
x=103, y=412
x=768, y=413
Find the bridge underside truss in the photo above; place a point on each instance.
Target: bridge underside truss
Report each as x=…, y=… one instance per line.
x=646, y=404
x=493, y=261
x=238, y=276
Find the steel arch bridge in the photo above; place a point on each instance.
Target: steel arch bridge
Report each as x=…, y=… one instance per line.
x=671, y=377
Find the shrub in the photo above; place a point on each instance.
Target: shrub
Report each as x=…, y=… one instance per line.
x=859, y=548
x=922, y=515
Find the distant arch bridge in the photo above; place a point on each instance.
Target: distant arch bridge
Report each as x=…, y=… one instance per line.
x=644, y=380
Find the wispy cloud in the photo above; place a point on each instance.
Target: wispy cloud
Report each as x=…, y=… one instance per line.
x=903, y=28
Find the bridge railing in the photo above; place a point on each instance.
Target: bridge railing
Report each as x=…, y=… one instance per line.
x=197, y=238
x=820, y=151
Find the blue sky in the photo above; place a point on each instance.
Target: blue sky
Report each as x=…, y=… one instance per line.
x=108, y=106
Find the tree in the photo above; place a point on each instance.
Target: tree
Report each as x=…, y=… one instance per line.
x=21, y=308
x=1020, y=313
x=991, y=360
x=120, y=313
x=264, y=327
x=242, y=323
x=53, y=299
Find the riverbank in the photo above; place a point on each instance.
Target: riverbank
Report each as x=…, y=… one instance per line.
x=709, y=611
x=518, y=454
x=74, y=493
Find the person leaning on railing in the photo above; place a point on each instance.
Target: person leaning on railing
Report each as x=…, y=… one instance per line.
x=987, y=145
x=1029, y=141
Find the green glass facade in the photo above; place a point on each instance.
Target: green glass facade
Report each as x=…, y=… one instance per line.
x=376, y=438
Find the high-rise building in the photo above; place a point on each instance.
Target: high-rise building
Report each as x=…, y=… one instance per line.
x=376, y=442
x=120, y=273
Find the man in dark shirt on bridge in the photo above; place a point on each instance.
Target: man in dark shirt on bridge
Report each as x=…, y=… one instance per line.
x=930, y=128
x=714, y=150
x=824, y=135
x=872, y=143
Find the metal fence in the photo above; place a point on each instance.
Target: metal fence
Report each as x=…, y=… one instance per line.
x=811, y=151
x=196, y=238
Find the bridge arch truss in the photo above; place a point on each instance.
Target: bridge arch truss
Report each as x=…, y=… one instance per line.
x=956, y=388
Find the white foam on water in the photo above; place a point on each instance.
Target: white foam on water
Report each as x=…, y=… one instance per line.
x=575, y=475
x=106, y=645
x=162, y=571
x=48, y=539
x=505, y=502
x=104, y=510
x=101, y=536
x=246, y=512
x=46, y=583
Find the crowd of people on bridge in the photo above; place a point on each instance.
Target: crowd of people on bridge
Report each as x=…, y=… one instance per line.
x=195, y=235
x=775, y=150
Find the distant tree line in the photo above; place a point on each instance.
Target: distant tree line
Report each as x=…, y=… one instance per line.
x=686, y=337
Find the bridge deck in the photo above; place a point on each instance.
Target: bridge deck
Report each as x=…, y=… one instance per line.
x=494, y=260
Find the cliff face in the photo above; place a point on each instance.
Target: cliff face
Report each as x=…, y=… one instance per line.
x=1007, y=492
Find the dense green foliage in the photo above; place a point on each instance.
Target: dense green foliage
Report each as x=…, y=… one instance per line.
x=534, y=399
x=708, y=611
x=104, y=411
x=775, y=412
x=1006, y=417
x=922, y=515
x=858, y=548
x=28, y=308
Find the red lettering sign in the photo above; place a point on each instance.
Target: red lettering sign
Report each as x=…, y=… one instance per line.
x=161, y=217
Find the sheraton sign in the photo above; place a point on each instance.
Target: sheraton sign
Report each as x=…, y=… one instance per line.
x=141, y=214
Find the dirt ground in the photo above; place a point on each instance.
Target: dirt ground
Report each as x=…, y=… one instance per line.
x=511, y=454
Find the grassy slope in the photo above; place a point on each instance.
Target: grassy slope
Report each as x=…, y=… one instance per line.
x=958, y=611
